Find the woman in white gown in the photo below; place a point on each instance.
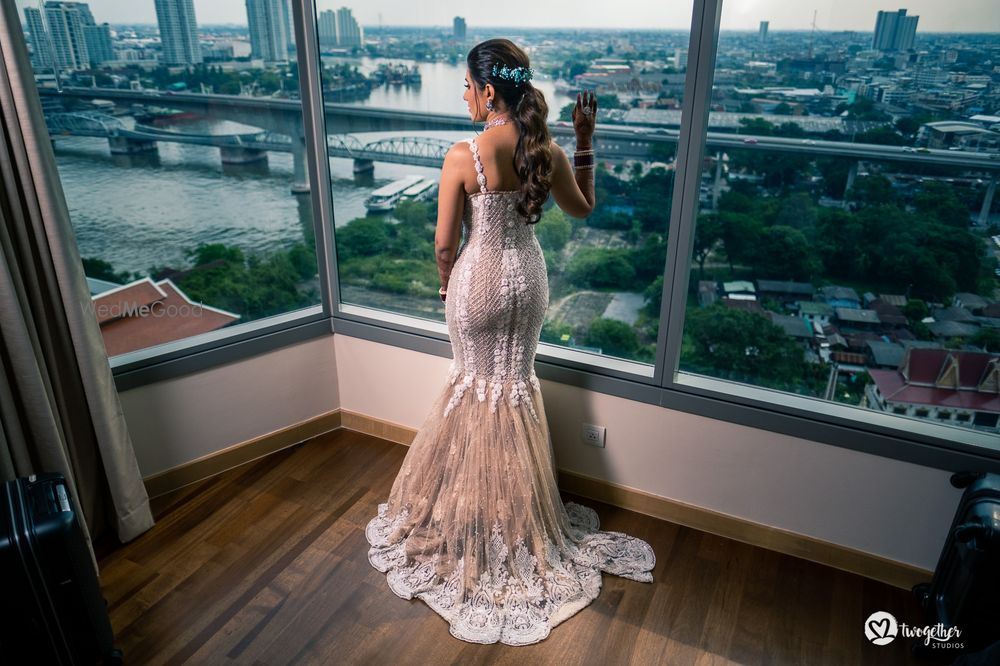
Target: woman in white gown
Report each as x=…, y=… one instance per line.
x=474, y=524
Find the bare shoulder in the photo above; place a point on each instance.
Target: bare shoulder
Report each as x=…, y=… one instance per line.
x=459, y=154
x=557, y=150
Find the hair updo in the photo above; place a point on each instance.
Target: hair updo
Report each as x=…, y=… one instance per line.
x=533, y=155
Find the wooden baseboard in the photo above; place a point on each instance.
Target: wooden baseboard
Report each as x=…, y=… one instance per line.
x=809, y=548
x=239, y=454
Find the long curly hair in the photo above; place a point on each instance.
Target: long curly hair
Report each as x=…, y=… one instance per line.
x=533, y=155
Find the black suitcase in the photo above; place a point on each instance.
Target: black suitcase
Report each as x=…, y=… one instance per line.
x=965, y=590
x=51, y=603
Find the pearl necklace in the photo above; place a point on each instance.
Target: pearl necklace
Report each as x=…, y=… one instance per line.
x=499, y=120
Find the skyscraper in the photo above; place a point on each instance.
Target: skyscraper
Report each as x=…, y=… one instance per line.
x=458, y=28
x=41, y=45
x=289, y=28
x=327, y=28
x=99, y=48
x=894, y=31
x=349, y=33
x=268, y=29
x=178, y=32
x=763, y=30
x=66, y=21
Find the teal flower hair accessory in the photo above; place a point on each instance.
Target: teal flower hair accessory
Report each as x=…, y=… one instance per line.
x=516, y=74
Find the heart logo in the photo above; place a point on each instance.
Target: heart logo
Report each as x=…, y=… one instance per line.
x=880, y=628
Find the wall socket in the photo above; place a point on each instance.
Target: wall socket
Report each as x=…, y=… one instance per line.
x=593, y=435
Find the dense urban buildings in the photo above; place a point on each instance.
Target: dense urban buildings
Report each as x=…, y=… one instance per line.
x=68, y=23
x=847, y=243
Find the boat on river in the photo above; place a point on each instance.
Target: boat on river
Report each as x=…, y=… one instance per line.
x=385, y=198
x=420, y=191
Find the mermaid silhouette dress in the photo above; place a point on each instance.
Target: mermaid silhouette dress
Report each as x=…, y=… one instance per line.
x=474, y=524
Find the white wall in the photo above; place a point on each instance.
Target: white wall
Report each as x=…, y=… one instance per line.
x=180, y=420
x=885, y=507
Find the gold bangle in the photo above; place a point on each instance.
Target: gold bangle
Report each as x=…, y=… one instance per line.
x=442, y=291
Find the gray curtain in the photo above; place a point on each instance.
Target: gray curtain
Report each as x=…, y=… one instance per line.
x=59, y=409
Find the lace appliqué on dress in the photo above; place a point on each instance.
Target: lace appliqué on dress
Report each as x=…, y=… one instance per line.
x=515, y=601
x=517, y=389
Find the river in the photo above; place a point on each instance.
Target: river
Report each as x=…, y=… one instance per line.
x=136, y=212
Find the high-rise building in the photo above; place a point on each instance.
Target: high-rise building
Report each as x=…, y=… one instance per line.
x=349, y=33
x=327, y=28
x=66, y=22
x=763, y=30
x=41, y=45
x=286, y=7
x=178, y=32
x=894, y=31
x=99, y=47
x=268, y=29
x=458, y=28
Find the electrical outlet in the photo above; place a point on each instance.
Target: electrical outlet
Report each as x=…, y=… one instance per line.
x=593, y=435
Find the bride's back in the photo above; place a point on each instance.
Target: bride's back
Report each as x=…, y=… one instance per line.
x=496, y=152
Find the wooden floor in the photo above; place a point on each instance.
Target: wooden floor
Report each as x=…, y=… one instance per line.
x=267, y=564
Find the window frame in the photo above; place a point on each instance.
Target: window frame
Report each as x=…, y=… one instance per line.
x=887, y=435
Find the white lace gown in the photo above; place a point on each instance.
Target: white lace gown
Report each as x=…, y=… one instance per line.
x=474, y=524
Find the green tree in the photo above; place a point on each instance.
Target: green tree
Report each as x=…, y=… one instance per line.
x=988, y=339
x=553, y=230
x=648, y=259
x=363, y=236
x=740, y=235
x=595, y=267
x=102, y=270
x=729, y=341
x=613, y=337
x=785, y=253
x=707, y=234
x=939, y=202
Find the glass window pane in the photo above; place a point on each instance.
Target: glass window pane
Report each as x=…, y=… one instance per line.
x=177, y=131
x=394, y=94
x=848, y=234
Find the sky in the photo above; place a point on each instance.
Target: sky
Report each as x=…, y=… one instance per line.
x=935, y=15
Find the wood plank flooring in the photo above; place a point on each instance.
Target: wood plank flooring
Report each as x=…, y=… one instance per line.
x=267, y=564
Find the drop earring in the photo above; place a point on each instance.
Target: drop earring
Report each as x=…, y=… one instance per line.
x=489, y=105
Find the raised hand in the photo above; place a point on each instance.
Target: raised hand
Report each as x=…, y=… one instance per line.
x=585, y=116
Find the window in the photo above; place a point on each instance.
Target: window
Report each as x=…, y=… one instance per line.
x=830, y=195
x=843, y=246
x=605, y=272
x=178, y=137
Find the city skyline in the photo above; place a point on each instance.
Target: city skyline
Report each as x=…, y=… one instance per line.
x=973, y=16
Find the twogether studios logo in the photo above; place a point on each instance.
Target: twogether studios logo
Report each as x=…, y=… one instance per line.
x=881, y=628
